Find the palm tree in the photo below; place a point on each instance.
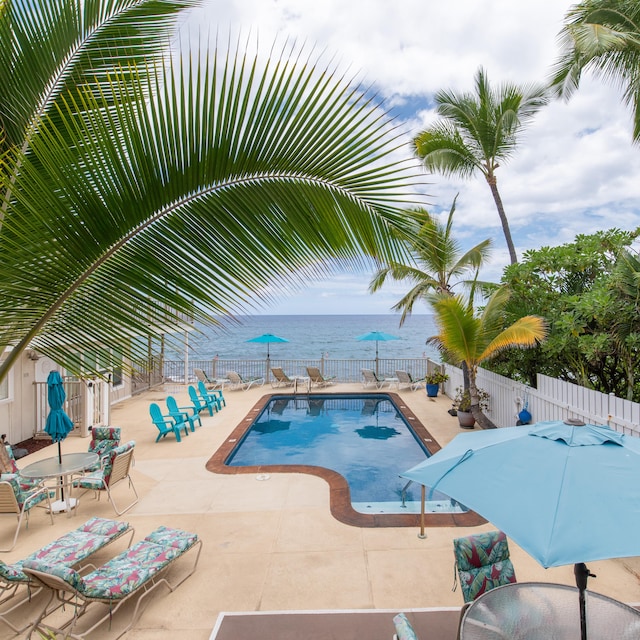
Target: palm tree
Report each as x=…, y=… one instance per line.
x=139, y=186
x=478, y=132
x=437, y=262
x=602, y=36
x=472, y=338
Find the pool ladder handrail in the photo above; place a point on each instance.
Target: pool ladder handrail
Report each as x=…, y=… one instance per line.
x=404, y=494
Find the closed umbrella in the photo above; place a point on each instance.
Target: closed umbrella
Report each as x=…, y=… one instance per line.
x=58, y=424
x=566, y=494
x=267, y=338
x=378, y=336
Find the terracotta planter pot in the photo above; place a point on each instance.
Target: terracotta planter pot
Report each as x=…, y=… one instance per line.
x=466, y=419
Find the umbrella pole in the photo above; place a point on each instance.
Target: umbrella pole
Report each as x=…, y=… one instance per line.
x=422, y=535
x=582, y=574
x=61, y=479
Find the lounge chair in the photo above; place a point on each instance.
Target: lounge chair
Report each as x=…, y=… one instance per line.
x=211, y=394
x=183, y=414
x=405, y=378
x=316, y=378
x=280, y=378
x=239, y=382
x=133, y=574
x=18, y=502
x=201, y=404
x=116, y=468
x=70, y=550
x=166, y=424
x=370, y=378
x=208, y=382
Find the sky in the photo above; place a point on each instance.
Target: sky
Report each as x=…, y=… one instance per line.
x=575, y=170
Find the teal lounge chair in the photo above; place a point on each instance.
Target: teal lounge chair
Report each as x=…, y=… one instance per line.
x=201, y=404
x=183, y=414
x=212, y=394
x=166, y=424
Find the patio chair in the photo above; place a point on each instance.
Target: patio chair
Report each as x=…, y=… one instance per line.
x=70, y=550
x=280, y=378
x=370, y=378
x=131, y=575
x=482, y=563
x=201, y=404
x=405, y=378
x=116, y=469
x=239, y=382
x=166, y=424
x=316, y=378
x=207, y=381
x=9, y=468
x=212, y=394
x=103, y=439
x=17, y=502
x=186, y=414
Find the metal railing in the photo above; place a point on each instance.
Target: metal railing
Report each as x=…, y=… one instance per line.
x=347, y=370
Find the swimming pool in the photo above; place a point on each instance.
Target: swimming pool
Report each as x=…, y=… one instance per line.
x=363, y=437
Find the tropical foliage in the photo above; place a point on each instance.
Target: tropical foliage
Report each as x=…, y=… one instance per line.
x=473, y=338
x=478, y=132
x=602, y=36
x=588, y=291
x=437, y=261
x=140, y=186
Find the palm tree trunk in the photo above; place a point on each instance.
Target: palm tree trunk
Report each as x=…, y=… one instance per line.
x=493, y=185
x=476, y=411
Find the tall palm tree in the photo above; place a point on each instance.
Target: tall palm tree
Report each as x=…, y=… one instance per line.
x=478, y=132
x=472, y=338
x=437, y=263
x=139, y=185
x=602, y=36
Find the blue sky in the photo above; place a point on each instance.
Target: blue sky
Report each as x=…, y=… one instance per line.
x=575, y=171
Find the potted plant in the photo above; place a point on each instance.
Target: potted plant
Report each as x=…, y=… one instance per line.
x=462, y=405
x=433, y=381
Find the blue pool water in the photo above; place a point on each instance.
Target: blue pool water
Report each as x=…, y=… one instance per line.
x=365, y=438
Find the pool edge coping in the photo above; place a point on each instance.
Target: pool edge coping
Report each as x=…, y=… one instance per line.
x=339, y=492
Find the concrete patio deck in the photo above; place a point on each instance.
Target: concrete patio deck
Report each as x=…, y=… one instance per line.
x=272, y=545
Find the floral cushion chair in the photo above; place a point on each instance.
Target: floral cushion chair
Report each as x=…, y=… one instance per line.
x=482, y=563
x=9, y=471
x=103, y=439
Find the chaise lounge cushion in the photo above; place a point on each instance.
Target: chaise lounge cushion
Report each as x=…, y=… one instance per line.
x=70, y=548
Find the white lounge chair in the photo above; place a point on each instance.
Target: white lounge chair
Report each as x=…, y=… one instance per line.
x=316, y=378
x=404, y=378
x=370, y=378
x=238, y=382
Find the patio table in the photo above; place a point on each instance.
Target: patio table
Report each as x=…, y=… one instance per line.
x=69, y=464
x=528, y=610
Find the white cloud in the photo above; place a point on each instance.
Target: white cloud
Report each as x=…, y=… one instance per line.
x=575, y=170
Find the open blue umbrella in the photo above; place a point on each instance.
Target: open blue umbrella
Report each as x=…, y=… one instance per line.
x=58, y=424
x=378, y=336
x=267, y=338
x=566, y=494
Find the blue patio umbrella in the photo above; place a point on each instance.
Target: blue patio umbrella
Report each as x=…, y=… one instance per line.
x=267, y=338
x=566, y=494
x=58, y=424
x=378, y=336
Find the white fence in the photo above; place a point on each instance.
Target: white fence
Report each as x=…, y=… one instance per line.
x=552, y=400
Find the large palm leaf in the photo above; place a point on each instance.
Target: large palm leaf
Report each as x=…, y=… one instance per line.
x=234, y=175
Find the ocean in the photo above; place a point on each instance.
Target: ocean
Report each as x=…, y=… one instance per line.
x=333, y=336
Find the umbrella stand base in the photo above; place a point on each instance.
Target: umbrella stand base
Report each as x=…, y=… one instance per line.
x=63, y=505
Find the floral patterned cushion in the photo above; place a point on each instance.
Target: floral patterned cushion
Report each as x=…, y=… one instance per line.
x=483, y=563
x=69, y=549
x=404, y=630
x=103, y=439
x=125, y=573
x=100, y=479
x=69, y=575
x=182, y=540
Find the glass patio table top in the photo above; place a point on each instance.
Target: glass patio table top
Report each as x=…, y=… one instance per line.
x=52, y=467
x=528, y=610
